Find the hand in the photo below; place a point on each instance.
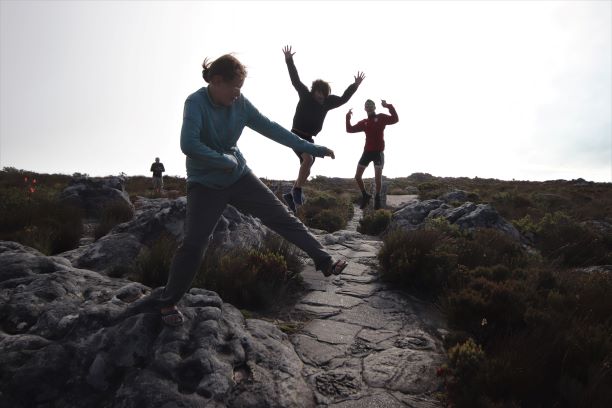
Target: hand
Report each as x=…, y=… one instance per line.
x=359, y=78
x=287, y=51
x=330, y=153
x=384, y=103
x=349, y=113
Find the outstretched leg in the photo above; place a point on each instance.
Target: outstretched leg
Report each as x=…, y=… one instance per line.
x=251, y=196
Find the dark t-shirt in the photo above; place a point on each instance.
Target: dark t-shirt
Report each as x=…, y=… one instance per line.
x=310, y=114
x=157, y=169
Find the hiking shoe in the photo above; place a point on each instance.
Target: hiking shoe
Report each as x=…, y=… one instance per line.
x=365, y=200
x=377, y=202
x=289, y=200
x=298, y=197
x=335, y=268
x=172, y=316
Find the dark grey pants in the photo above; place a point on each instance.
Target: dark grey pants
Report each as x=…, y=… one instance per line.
x=204, y=207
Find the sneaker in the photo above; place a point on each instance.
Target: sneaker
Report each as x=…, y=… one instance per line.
x=289, y=200
x=365, y=200
x=298, y=197
x=377, y=202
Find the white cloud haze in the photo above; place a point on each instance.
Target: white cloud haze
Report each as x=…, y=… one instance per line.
x=502, y=89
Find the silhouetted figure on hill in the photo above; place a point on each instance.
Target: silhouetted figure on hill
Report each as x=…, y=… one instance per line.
x=217, y=175
x=157, y=168
x=308, y=120
x=373, y=126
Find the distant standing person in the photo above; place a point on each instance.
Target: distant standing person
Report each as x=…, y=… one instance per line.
x=308, y=120
x=157, y=168
x=373, y=126
x=217, y=175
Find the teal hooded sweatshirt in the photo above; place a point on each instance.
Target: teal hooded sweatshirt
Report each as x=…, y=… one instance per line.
x=210, y=132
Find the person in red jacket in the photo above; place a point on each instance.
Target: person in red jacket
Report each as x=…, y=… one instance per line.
x=373, y=126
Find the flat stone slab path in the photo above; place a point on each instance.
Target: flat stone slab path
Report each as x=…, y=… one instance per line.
x=367, y=345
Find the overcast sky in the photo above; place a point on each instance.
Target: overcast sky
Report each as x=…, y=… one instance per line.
x=497, y=89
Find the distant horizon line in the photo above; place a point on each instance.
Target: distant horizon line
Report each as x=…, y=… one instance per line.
x=121, y=174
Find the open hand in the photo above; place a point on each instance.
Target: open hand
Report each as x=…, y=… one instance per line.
x=330, y=153
x=359, y=78
x=287, y=51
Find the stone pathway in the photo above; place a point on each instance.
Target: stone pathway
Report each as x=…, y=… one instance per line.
x=367, y=345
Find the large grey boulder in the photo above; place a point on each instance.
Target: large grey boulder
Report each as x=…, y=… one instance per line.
x=94, y=194
x=468, y=216
x=75, y=338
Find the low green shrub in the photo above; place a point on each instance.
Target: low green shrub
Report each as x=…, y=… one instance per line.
x=114, y=213
x=489, y=247
x=421, y=259
x=247, y=278
x=561, y=238
x=277, y=244
x=326, y=211
x=152, y=265
x=39, y=220
x=527, y=333
x=432, y=189
x=374, y=222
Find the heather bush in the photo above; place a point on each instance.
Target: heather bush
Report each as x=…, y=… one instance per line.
x=247, y=278
x=326, y=211
x=432, y=189
x=466, y=374
x=114, y=213
x=561, y=238
x=152, y=265
x=489, y=247
x=374, y=222
x=421, y=259
x=37, y=219
x=525, y=333
x=512, y=203
x=497, y=306
x=292, y=254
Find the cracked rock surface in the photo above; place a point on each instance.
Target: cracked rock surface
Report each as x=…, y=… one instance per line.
x=366, y=344
x=72, y=337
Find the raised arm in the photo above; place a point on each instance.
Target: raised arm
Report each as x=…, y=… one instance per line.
x=334, y=101
x=293, y=74
x=353, y=129
x=272, y=130
x=393, y=118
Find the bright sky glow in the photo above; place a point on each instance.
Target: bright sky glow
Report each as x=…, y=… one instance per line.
x=501, y=89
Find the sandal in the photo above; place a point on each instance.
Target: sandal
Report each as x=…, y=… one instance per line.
x=335, y=268
x=172, y=316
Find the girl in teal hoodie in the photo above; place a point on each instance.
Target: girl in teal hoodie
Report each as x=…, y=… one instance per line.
x=213, y=120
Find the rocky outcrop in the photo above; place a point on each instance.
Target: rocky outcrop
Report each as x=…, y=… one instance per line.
x=154, y=218
x=93, y=195
x=467, y=216
x=75, y=338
